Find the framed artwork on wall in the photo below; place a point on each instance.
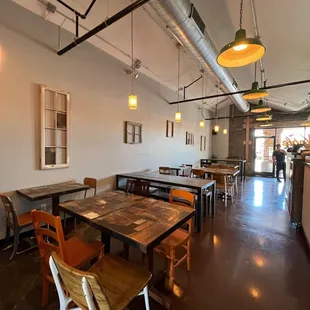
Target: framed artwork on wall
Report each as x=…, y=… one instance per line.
x=169, y=129
x=189, y=138
x=55, y=108
x=133, y=133
x=203, y=143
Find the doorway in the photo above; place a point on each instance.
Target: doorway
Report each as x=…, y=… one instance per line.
x=263, y=149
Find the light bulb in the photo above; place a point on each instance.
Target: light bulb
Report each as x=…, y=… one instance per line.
x=216, y=128
x=225, y=131
x=202, y=124
x=178, y=117
x=240, y=47
x=132, y=102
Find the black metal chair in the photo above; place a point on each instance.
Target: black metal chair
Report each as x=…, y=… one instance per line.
x=138, y=187
x=16, y=223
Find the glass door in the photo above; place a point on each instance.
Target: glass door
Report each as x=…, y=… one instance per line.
x=264, y=147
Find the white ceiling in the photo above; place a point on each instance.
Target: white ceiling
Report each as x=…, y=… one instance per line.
x=283, y=26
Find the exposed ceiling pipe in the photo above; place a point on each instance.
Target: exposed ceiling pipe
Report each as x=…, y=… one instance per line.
x=175, y=14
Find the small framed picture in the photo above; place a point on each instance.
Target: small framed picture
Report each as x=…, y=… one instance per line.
x=169, y=129
x=203, y=143
x=189, y=140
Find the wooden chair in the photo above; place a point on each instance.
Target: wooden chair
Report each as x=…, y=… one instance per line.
x=179, y=238
x=164, y=170
x=223, y=185
x=73, y=251
x=110, y=284
x=138, y=187
x=16, y=223
x=198, y=173
x=92, y=183
x=233, y=179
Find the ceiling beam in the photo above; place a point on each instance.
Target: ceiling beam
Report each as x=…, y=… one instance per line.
x=111, y=20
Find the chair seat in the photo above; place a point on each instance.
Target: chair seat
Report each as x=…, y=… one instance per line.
x=177, y=238
x=79, y=252
x=222, y=185
x=24, y=219
x=121, y=280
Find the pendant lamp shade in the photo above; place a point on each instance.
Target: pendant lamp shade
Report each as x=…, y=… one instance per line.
x=225, y=131
x=255, y=92
x=264, y=118
x=178, y=117
x=260, y=108
x=307, y=122
x=266, y=125
x=132, y=102
x=241, y=52
x=202, y=124
x=216, y=128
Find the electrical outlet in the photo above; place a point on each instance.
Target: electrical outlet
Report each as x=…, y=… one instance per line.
x=43, y=206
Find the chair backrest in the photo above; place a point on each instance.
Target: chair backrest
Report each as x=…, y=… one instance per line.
x=183, y=198
x=219, y=178
x=222, y=166
x=198, y=173
x=56, y=239
x=10, y=212
x=92, y=183
x=164, y=170
x=138, y=187
x=75, y=281
x=187, y=172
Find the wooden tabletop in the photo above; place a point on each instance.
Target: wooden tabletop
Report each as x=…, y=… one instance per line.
x=219, y=171
x=223, y=159
x=137, y=221
x=47, y=191
x=193, y=183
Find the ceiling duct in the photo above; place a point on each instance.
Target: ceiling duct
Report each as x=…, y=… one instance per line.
x=176, y=15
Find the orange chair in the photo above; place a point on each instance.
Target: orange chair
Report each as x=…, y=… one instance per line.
x=179, y=238
x=73, y=251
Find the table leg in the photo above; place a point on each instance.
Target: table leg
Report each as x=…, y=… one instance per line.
x=55, y=205
x=244, y=167
x=150, y=257
x=204, y=205
x=117, y=181
x=106, y=239
x=125, y=251
x=198, y=214
x=213, y=199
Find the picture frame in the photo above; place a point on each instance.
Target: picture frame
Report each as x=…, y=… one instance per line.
x=203, y=143
x=169, y=129
x=189, y=140
x=133, y=133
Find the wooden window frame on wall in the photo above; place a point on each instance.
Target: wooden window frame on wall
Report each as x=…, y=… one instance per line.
x=43, y=90
x=203, y=143
x=189, y=139
x=126, y=133
x=169, y=134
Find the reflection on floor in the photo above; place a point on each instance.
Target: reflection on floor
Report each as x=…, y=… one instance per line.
x=248, y=257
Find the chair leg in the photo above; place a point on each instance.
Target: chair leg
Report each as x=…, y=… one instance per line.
x=6, y=243
x=15, y=246
x=169, y=282
x=146, y=298
x=188, y=260
x=45, y=291
x=65, y=220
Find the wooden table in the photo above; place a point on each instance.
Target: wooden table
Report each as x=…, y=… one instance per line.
x=53, y=191
x=240, y=162
x=136, y=221
x=212, y=170
x=198, y=185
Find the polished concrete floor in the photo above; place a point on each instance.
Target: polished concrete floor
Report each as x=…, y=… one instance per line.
x=248, y=257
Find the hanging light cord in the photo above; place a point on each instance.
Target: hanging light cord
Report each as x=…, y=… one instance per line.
x=132, y=60
x=241, y=13
x=255, y=69
x=178, y=78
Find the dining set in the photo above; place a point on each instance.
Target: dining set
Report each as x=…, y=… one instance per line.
x=154, y=212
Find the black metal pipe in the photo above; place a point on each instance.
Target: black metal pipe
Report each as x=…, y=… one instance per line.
x=190, y=84
x=242, y=91
x=127, y=10
x=83, y=16
x=76, y=26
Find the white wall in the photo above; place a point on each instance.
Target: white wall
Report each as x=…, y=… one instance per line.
x=99, y=89
x=220, y=142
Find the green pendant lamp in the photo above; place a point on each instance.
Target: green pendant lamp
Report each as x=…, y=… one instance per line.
x=265, y=117
x=242, y=51
x=267, y=124
x=255, y=92
x=260, y=108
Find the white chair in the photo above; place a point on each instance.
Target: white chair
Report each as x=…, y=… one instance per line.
x=111, y=283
